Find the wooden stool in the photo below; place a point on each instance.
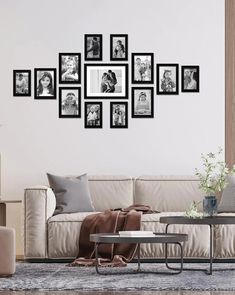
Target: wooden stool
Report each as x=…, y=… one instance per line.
x=7, y=251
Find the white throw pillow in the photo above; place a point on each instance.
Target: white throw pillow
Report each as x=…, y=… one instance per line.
x=227, y=202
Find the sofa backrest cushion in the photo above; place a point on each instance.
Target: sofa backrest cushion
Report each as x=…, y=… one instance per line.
x=167, y=193
x=110, y=192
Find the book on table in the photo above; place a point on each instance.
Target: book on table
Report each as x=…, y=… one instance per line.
x=135, y=233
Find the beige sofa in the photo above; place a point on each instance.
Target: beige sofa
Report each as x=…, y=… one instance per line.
x=57, y=237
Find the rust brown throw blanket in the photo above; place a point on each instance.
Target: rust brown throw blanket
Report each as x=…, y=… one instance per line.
x=109, y=221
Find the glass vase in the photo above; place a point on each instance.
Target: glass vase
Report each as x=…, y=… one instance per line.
x=209, y=206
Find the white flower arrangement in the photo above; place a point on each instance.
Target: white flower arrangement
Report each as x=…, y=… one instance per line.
x=192, y=211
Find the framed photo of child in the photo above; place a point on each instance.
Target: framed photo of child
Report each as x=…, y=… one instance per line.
x=93, y=115
x=119, y=47
x=21, y=83
x=106, y=81
x=69, y=102
x=168, y=79
x=70, y=68
x=142, y=102
x=45, y=83
x=142, y=68
x=93, y=47
x=118, y=115
x=190, y=78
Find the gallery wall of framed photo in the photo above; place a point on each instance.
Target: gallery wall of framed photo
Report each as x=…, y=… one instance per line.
x=107, y=81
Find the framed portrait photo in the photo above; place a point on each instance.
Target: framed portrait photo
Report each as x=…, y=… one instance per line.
x=93, y=47
x=69, y=102
x=70, y=68
x=142, y=68
x=45, y=83
x=142, y=102
x=168, y=79
x=106, y=81
x=119, y=47
x=118, y=114
x=21, y=83
x=190, y=78
x=93, y=115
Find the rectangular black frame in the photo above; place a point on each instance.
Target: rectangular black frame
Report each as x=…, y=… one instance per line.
x=177, y=79
x=14, y=82
x=133, y=102
x=111, y=114
x=182, y=79
x=79, y=102
x=79, y=67
x=133, y=68
x=111, y=65
x=101, y=114
x=101, y=47
x=126, y=47
x=35, y=83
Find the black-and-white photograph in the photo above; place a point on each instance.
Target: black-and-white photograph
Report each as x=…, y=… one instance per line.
x=142, y=68
x=106, y=81
x=118, y=115
x=190, y=78
x=119, y=47
x=45, y=83
x=93, y=47
x=142, y=102
x=70, y=68
x=167, y=79
x=21, y=83
x=93, y=114
x=69, y=102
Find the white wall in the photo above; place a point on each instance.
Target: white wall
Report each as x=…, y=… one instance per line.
x=33, y=140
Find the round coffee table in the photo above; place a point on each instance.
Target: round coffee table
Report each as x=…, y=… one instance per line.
x=163, y=238
x=210, y=221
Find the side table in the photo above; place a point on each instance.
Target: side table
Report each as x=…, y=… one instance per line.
x=3, y=207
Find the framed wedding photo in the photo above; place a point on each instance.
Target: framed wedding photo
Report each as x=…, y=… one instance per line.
x=190, y=78
x=69, y=102
x=21, y=83
x=142, y=68
x=93, y=47
x=70, y=68
x=93, y=115
x=167, y=79
x=118, y=114
x=45, y=83
x=119, y=47
x=142, y=102
x=106, y=81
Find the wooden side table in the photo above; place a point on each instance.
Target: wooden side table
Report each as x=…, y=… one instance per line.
x=3, y=207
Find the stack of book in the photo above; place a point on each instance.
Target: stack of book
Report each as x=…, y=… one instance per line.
x=135, y=233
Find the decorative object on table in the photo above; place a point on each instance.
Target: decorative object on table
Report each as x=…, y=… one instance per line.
x=69, y=102
x=93, y=47
x=70, y=68
x=118, y=114
x=142, y=68
x=190, y=78
x=192, y=211
x=142, y=102
x=168, y=79
x=106, y=81
x=213, y=179
x=45, y=83
x=119, y=47
x=21, y=83
x=93, y=115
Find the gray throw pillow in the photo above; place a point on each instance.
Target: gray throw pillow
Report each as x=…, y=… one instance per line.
x=227, y=202
x=72, y=194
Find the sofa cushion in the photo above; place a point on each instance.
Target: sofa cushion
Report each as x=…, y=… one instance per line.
x=227, y=202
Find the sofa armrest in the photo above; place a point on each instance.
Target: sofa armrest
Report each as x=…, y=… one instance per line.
x=39, y=206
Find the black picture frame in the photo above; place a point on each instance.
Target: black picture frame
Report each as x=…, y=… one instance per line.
x=118, y=125
x=143, y=112
x=100, y=40
x=171, y=83
x=25, y=89
x=70, y=58
x=99, y=94
x=142, y=76
x=112, y=51
x=93, y=125
x=36, y=82
x=70, y=105
x=194, y=84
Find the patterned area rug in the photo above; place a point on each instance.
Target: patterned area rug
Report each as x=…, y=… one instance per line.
x=58, y=276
